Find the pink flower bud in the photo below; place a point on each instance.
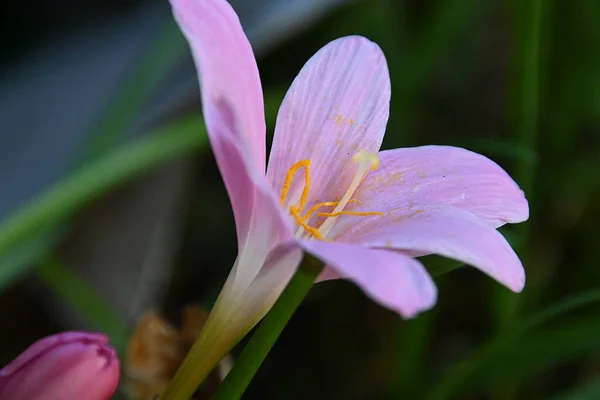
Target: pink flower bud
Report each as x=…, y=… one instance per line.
x=66, y=366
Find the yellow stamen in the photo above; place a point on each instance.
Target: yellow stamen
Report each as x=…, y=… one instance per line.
x=317, y=206
x=315, y=232
x=366, y=161
x=359, y=213
x=287, y=183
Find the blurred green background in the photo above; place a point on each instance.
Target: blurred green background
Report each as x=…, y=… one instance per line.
x=134, y=222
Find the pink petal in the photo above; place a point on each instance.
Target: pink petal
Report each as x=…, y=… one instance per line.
x=50, y=342
x=232, y=99
x=227, y=70
x=392, y=279
x=69, y=365
x=445, y=230
x=269, y=228
x=258, y=215
x=337, y=105
x=279, y=267
x=418, y=177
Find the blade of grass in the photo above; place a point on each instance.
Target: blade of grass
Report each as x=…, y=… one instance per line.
x=67, y=196
x=527, y=37
x=434, y=41
x=498, y=148
x=20, y=258
x=438, y=266
x=413, y=356
x=116, y=120
x=527, y=92
x=78, y=294
x=589, y=391
x=462, y=371
x=61, y=201
x=538, y=351
x=417, y=62
x=136, y=88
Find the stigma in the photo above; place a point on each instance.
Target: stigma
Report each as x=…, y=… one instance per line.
x=365, y=162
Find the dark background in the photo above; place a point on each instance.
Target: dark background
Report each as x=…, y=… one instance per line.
x=111, y=204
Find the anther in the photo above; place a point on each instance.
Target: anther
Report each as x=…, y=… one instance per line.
x=287, y=183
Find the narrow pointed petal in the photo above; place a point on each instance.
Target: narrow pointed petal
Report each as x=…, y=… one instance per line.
x=232, y=99
x=262, y=224
x=440, y=175
x=259, y=220
x=392, y=279
x=336, y=106
x=227, y=71
x=447, y=231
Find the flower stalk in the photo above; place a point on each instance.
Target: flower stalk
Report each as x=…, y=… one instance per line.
x=268, y=331
x=188, y=378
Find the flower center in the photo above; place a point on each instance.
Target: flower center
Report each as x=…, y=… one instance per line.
x=366, y=161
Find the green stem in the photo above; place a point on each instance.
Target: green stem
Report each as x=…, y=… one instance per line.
x=267, y=333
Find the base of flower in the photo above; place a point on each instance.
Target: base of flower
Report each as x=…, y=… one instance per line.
x=269, y=330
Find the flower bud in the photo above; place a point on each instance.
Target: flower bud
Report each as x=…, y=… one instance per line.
x=65, y=366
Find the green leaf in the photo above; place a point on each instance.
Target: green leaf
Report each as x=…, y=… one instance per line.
x=589, y=391
x=499, y=148
x=69, y=195
x=438, y=265
x=137, y=87
x=536, y=352
x=61, y=201
x=84, y=299
x=462, y=372
x=21, y=258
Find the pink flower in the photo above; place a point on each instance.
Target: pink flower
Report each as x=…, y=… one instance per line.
x=66, y=366
x=328, y=190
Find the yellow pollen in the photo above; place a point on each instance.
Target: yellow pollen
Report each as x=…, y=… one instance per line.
x=365, y=161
